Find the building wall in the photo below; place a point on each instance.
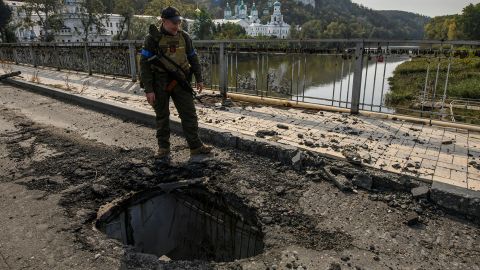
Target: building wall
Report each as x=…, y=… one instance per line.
x=72, y=30
x=276, y=27
x=22, y=32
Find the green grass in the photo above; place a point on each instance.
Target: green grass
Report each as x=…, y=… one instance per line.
x=408, y=81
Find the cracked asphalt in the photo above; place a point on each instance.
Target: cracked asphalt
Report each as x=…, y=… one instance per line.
x=59, y=163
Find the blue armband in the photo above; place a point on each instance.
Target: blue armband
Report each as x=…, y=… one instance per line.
x=147, y=53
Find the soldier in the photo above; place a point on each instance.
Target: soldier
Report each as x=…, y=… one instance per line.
x=159, y=86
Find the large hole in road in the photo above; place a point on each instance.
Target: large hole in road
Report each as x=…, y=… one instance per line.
x=188, y=224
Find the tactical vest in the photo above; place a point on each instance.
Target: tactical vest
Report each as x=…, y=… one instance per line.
x=175, y=48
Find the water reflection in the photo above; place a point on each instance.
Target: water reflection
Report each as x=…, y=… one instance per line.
x=321, y=79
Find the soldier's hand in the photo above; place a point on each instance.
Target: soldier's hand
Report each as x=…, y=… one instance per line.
x=200, y=87
x=150, y=98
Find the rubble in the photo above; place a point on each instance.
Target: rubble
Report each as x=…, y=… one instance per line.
x=265, y=133
x=339, y=180
x=282, y=126
x=420, y=192
x=363, y=181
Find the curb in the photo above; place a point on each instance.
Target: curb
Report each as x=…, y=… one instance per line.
x=460, y=200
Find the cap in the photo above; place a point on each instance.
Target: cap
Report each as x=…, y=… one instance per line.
x=171, y=13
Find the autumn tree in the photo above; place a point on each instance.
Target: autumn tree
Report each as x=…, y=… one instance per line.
x=229, y=31
x=126, y=9
x=203, y=26
x=48, y=14
x=92, y=18
x=312, y=29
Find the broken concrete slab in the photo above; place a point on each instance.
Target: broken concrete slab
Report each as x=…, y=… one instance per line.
x=339, y=180
x=420, y=192
x=363, y=180
x=297, y=160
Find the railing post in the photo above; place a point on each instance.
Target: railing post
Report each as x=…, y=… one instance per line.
x=15, y=56
x=223, y=71
x=1, y=53
x=133, y=61
x=32, y=55
x=57, y=56
x=357, y=78
x=87, y=57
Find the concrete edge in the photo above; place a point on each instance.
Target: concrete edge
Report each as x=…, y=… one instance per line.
x=460, y=200
x=450, y=197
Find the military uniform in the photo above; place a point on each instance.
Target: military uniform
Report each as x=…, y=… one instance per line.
x=154, y=79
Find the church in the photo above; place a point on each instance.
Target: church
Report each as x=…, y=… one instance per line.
x=276, y=27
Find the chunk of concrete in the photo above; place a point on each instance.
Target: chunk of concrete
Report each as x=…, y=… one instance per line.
x=420, y=192
x=362, y=180
x=339, y=180
x=297, y=160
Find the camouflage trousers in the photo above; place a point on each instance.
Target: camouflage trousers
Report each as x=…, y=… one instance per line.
x=183, y=101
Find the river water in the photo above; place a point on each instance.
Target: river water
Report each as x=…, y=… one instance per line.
x=320, y=79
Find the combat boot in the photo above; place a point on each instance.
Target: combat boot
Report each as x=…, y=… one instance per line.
x=202, y=150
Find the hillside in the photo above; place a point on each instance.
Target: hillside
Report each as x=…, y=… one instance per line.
x=329, y=18
x=342, y=18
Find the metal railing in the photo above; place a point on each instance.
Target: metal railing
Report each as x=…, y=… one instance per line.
x=352, y=74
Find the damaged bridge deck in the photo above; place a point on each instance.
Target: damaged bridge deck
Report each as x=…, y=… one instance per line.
x=429, y=153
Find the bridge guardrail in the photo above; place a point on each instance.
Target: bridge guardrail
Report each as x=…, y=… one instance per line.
x=343, y=73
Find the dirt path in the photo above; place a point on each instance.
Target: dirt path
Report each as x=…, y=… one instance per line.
x=59, y=163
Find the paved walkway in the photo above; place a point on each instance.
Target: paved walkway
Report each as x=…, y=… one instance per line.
x=430, y=153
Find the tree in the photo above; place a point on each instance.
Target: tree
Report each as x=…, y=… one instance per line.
x=4, y=20
x=139, y=27
x=155, y=7
x=229, y=31
x=92, y=18
x=294, y=32
x=125, y=8
x=336, y=30
x=203, y=26
x=48, y=14
x=452, y=30
x=471, y=21
x=312, y=29
x=444, y=28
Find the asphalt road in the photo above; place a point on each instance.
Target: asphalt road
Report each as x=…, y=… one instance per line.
x=59, y=163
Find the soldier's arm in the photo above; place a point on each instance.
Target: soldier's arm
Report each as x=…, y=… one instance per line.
x=193, y=58
x=146, y=72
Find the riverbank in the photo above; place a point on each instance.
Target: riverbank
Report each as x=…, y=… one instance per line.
x=408, y=81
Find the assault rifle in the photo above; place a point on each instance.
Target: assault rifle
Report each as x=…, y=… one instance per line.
x=175, y=71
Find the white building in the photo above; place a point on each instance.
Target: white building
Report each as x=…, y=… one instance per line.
x=72, y=30
x=24, y=32
x=276, y=27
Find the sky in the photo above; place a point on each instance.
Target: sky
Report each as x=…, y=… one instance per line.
x=426, y=7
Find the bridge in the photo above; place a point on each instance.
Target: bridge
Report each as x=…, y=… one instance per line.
x=326, y=96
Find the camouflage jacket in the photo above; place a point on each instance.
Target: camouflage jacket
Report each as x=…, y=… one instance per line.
x=150, y=78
